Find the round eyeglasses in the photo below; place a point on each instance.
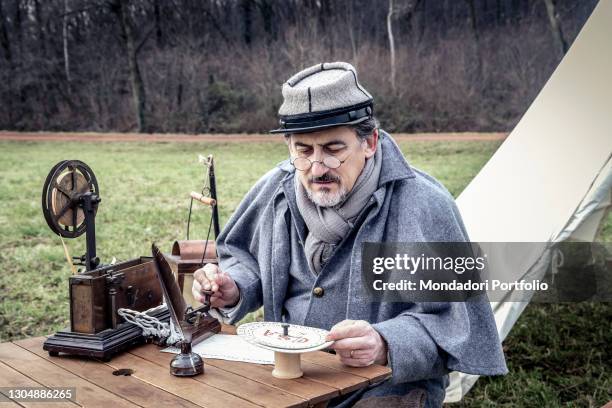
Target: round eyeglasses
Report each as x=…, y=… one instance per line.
x=303, y=163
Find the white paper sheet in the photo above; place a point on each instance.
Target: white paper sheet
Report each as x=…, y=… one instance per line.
x=229, y=347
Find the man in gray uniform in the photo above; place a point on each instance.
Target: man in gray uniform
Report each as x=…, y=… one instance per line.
x=293, y=245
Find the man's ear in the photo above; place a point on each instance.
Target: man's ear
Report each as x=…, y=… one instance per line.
x=371, y=143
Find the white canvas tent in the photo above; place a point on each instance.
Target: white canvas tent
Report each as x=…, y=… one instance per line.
x=551, y=179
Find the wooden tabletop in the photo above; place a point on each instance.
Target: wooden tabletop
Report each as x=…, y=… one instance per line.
x=24, y=363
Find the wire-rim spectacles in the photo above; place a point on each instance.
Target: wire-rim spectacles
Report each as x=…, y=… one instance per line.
x=304, y=163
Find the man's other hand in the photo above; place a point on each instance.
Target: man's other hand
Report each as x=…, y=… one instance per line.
x=358, y=344
x=211, y=278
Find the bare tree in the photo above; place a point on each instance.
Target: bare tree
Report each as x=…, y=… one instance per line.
x=351, y=31
x=6, y=46
x=121, y=8
x=266, y=10
x=159, y=35
x=473, y=21
x=4, y=40
x=246, y=7
x=474, y=26
x=391, y=45
x=555, y=26
x=65, y=41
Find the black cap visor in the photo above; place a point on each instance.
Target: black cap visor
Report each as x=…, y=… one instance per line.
x=313, y=122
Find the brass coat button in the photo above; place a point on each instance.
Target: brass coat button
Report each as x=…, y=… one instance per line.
x=318, y=291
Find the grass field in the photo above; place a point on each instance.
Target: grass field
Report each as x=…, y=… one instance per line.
x=558, y=355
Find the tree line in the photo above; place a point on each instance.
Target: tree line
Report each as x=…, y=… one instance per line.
x=199, y=66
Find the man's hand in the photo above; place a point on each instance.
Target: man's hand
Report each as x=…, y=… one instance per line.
x=210, y=277
x=358, y=344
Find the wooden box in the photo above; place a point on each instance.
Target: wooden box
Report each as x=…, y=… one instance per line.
x=95, y=296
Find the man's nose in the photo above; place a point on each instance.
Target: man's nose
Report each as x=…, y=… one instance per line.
x=318, y=169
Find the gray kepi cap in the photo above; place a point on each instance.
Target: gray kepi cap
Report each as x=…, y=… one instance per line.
x=323, y=96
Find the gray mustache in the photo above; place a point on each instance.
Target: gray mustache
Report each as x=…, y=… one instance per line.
x=323, y=178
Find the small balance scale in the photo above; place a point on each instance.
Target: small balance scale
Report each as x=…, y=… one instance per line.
x=288, y=341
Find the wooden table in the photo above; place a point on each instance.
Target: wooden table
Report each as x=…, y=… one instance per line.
x=24, y=363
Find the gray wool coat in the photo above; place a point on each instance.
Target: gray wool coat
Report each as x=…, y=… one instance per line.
x=261, y=247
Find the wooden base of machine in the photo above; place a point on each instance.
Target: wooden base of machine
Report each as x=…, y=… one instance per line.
x=103, y=345
x=287, y=366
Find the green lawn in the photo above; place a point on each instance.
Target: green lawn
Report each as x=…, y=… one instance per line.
x=557, y=354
